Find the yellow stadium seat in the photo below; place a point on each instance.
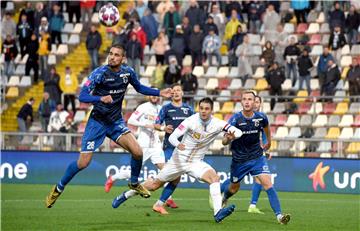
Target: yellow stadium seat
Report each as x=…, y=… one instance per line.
x=344, y=72
x=353, y=147
x=219, y=116
x=261, y=84
x=341, y=108
x=227, y=108
x=301, y=93
x=333, y=133
x=13, y=92
x=273, y=145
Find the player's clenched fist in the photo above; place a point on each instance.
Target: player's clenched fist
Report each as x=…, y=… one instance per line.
x=106, y=99
x=167, y=93
x=181, y=147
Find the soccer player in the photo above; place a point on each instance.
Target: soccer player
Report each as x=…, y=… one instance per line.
x=256, y=190
x=170, y=116
x=198, y=132
x=247, y=154
x=144, y=118
x=105, y=89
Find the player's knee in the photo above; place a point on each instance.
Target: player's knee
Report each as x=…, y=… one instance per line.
x=267, y=185
x=137, y=153
x=214, y=178
x=83, y=163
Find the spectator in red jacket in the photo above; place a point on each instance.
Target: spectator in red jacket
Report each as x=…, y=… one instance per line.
x=86, y=7
x=140, y=34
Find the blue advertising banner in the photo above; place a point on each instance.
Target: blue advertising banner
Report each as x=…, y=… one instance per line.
x=288, y=174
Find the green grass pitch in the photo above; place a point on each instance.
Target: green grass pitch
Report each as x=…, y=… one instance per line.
x=89, y=208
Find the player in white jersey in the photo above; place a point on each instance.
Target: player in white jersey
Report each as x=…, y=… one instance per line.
x=198, y=132
x=144, y=118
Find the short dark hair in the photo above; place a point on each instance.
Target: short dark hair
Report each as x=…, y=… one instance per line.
x=258, y=97
x=119, y=46
x=207, y=100
x=175, y=85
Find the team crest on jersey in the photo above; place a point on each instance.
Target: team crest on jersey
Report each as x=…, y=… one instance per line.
x=185, y=110
x=266, y=168
x=235, y=179
x=257, y=122
x=125, y=79
x=197, y=135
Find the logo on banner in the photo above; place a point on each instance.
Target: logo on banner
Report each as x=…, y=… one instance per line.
x=318, y=176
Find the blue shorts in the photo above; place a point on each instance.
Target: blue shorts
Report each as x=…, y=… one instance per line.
x=168, y=153
x=254, y=167
x=95, y=133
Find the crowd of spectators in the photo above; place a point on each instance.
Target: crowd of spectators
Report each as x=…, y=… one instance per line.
x=174, y=29
x=200, y=29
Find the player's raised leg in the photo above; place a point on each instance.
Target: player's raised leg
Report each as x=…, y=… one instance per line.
x=265, y=180
x=150, y=185
x=129, y=142
x=93, y=137
x=255, y=193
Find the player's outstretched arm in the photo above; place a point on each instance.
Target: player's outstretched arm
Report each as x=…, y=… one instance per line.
x=174, y=137
x=135, y=119
x=167, y=92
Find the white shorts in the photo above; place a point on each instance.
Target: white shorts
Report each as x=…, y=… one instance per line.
x=156, y=155
x=174, y=169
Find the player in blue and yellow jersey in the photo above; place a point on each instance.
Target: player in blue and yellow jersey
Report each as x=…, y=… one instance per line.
x=105, y=89
x=247, y=153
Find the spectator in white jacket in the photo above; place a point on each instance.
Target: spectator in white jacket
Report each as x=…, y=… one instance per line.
x=211, y=47
x=56, y=122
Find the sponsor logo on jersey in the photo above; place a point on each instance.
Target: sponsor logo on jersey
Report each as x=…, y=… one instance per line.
x=116, y=91
x=178, y=118
x=185, y=110
x=124, y=75
x=109, y=80
x=250, y=132
x=242, y=124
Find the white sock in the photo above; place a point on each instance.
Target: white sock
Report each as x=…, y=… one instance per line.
x=252, y=206
x=279, y=216
x=159, y=203
x=215, y=193
x=121, y=175
x=130, y=193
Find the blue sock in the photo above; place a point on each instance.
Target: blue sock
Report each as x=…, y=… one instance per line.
x=135, y=170
x=167, y=192
x=274, y=200
x=225, y=189
x=70, y=172
x=256, y=190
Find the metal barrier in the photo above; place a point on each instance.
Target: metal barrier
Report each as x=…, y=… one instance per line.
x=72, y=142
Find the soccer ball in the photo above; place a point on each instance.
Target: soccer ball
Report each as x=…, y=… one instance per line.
x=109, y=15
